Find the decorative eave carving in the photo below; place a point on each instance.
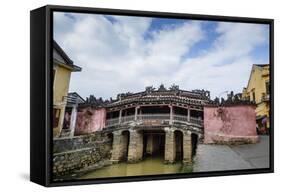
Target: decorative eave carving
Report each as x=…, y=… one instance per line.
x=151, y=94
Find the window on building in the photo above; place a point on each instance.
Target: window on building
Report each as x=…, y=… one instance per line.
x=267, y=87
x=56, y=117
x=254, y=96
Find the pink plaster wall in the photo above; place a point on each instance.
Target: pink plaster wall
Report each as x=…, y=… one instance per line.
x=90, y=120
x=230, y=124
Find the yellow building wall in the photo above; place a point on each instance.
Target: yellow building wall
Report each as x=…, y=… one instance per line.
x=60, y=90
x=61, y=83
x=257, y=83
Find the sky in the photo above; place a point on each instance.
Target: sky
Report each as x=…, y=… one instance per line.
x=120, y=54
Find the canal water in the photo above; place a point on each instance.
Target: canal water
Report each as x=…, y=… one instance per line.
x=149, y=166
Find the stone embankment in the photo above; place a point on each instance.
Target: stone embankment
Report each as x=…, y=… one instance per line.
x=76, y=155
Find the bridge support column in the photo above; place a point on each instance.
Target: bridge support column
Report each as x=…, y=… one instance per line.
x=117, y=147
x=135, y=152
x=170, y=146
x=187, y=147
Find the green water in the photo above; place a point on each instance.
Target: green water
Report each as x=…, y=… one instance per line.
x=149, y=166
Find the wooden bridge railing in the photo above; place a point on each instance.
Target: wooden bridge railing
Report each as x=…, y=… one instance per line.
x=149, y=117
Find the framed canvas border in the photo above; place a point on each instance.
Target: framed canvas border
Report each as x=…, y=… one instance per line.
x=41, y=93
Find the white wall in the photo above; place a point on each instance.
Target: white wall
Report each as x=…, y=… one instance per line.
x=14, y=62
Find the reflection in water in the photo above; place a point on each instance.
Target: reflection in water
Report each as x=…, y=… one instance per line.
x=149, y=166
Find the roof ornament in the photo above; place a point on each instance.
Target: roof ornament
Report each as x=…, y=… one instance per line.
x=121, y=96
x=92, y=100
x=232, y=99
x=203, y=92
x=174, y=88
x=149, y=89
x=162, y=88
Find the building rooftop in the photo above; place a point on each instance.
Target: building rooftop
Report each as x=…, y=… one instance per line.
x=261, y=65
x=59, y=56
x=153, y=95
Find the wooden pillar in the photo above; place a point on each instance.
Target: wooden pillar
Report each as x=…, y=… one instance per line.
x=73, y=120
x=187, y=147
x=188, y=114
x=170, y=146
x=136, y=112
x=171, y=114
x=120, y=116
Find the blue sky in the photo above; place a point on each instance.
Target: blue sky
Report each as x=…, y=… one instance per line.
x=126, y=54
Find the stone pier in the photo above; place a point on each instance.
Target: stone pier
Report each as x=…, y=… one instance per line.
x=170, y=146
x=118, y=147
x=187, y=147
x=135, y=148
x=128, y=145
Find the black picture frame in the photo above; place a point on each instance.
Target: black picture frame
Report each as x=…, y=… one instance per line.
x=41, y=42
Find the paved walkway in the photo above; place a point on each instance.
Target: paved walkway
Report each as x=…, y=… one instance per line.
x=224, y=157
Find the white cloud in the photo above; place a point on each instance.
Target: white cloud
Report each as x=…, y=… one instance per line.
x=226, y=66
x=116, y=56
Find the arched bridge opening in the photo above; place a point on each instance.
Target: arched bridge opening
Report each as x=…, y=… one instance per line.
x=168, y=143
x=153, y=143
